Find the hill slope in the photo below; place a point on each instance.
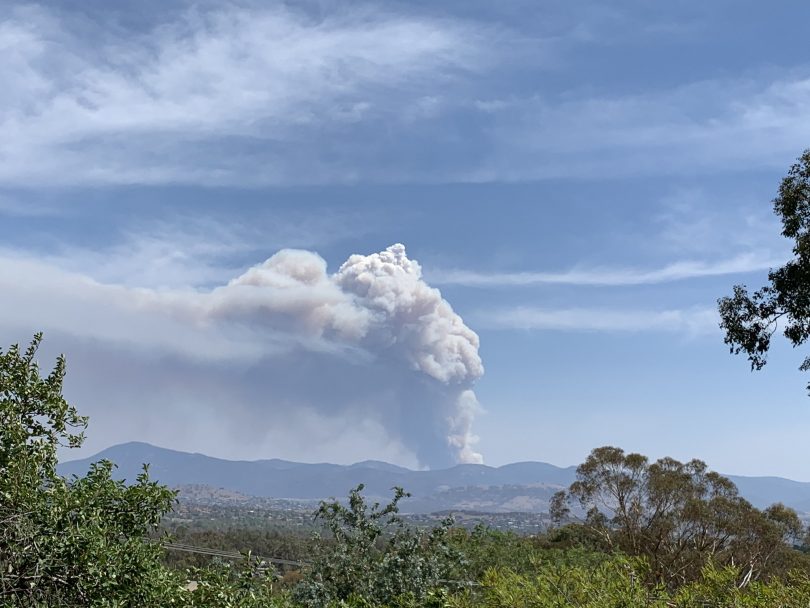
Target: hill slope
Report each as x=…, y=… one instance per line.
x=523, y=486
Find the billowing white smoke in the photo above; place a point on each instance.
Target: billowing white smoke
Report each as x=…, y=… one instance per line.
x=284, y=360
x=388, y=330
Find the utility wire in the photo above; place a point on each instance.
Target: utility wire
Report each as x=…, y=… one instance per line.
x=228, y=554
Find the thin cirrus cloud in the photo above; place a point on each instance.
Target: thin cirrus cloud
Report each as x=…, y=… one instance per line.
x=15, y=208
x=161, y=106
x=269, y=95
x=703, y=126
x=188, y=252
x=610, y=277
x=692, y=321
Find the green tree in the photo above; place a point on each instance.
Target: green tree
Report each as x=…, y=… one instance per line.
x=678, y=516
x=750, y=320
x=78, y=542
x=373, y=555
x=228, y=585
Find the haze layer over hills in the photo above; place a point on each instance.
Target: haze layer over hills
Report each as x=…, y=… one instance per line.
x=522, y=486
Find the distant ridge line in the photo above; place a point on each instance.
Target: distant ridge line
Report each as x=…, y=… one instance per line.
x=524, y=487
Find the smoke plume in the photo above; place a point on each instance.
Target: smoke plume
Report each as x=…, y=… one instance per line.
x=386, y=329
x=284, y=348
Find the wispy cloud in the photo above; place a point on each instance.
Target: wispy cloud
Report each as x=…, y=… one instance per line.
x=266, y=94
x=692, y=321
x=677, y=271
x=696, y=127
x=710, y=223
x=150, y=107
x=13, y=207
x=185, y=251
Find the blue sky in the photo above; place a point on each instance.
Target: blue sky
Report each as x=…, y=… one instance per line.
x=581, y=181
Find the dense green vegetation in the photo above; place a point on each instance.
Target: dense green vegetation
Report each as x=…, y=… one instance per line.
x=680, y=517
x=652, y=534
x=77, y=542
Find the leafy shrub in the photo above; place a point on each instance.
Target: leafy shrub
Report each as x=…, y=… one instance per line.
x=241, y=585
x=374, y=556
x=78, y=542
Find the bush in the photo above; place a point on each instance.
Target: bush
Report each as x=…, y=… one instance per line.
x=78, y=542
x=374, y=555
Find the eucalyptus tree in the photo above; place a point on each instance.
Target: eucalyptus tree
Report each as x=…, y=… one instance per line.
x=750, y=319
x=679, y=516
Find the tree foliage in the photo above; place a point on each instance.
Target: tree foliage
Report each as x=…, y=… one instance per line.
x=557, y=583
x=618, y=583
x=750, y=320
x=240, y=585
x=373, y=554
x=69, y=542
x=678, y=516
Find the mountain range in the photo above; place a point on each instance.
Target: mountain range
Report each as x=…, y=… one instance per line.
x=517, y=487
